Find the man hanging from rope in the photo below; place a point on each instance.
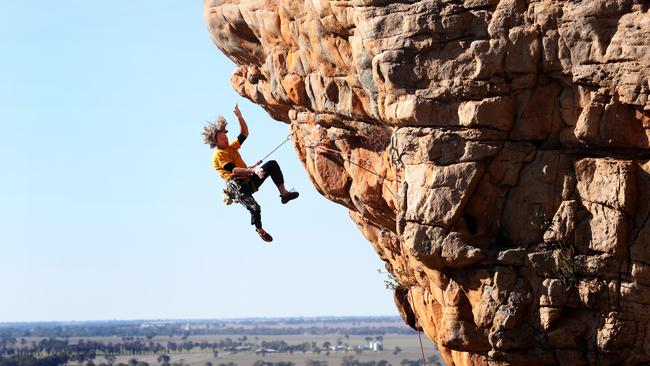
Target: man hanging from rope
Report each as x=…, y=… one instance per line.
x=242, y=181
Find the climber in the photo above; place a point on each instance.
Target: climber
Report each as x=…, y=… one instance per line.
x=241, y=180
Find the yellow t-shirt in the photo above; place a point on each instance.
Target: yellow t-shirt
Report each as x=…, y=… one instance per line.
x=230, y=154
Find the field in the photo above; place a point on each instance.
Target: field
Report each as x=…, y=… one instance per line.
x=358, y=341
x=409, y=345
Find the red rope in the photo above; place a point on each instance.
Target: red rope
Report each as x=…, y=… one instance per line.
x=349, y=160
x=320, y=146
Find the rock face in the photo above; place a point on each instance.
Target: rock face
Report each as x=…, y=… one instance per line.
x=494, y=152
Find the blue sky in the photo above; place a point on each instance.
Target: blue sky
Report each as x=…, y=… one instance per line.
x=109, y=205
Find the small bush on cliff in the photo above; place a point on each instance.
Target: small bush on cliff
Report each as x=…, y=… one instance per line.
x=567, y=267
x=540, y=222
x=391, y=281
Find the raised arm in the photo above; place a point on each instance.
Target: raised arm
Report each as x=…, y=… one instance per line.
x=243, y=127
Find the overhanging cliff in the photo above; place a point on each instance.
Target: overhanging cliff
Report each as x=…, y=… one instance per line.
x=495, y=154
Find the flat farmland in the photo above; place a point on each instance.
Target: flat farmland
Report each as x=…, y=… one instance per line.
x=351, y=341
x=408, y=345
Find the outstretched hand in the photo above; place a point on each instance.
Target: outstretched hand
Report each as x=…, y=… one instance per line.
x=236, y=110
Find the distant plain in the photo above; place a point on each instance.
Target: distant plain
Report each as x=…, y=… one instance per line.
x=260, y=342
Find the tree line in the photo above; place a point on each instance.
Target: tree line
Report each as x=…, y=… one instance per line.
x=87, y=350
x=352, y=326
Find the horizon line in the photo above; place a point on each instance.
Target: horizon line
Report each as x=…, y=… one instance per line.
x=262, y=318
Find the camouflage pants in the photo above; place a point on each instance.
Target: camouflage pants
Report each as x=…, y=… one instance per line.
x=241, y=190
x=242, y=193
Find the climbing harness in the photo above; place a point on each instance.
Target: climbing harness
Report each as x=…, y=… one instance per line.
x=225, y=196
x=231, y=193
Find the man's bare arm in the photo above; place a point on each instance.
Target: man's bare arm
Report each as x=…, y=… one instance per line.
x=243, y=127
x=242, y=172
x=245, y=172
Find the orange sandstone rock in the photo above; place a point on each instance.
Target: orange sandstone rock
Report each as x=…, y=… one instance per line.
x=494, y=152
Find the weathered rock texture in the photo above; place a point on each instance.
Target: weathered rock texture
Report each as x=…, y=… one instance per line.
x=494, y=152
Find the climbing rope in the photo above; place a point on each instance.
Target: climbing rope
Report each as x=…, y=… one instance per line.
x=232, y=192
x=277, y=147
x=321, y=146
x=349, y=160
x=424, y=361
x=417, y=329
x=374, y=172
x=394, y=156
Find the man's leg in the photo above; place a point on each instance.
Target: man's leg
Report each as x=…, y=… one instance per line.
x=272, y=169
x=254, y=208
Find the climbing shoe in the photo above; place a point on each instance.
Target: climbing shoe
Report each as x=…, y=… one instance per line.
x=264, y=235
x=289, y=196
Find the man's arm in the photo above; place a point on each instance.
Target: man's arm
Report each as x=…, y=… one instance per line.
x=243, y=127
x=241, y=172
